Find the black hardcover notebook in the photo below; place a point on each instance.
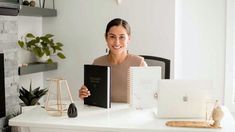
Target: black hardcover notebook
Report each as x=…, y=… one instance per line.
x=97, y=80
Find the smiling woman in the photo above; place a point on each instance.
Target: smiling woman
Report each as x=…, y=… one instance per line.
x=117, y=36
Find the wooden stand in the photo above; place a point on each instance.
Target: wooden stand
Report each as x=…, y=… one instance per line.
x=217, y=115
x=58, y=109
x=192, y=124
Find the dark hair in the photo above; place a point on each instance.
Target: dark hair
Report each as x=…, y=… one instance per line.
x=118, y=22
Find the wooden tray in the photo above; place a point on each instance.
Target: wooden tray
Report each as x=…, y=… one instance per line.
x=192, y=124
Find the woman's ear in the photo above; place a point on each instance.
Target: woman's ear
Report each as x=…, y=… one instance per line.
x=129, y=38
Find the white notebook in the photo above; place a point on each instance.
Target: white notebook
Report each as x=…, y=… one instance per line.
x=143, y=86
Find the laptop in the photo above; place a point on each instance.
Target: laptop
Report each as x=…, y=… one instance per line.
x=182, y=98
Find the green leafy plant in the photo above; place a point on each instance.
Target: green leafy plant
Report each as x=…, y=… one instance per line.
x=42, y=45
x=31, y=97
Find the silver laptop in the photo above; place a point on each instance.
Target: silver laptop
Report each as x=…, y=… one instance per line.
x=182, y=98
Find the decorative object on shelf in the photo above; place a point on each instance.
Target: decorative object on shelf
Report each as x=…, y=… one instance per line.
x=58, y=107
x=43, y=4
x=42, y=45
x=72, y=111
x=42, y=59
x=32, y=3
x=26, y=3
x=31, y=97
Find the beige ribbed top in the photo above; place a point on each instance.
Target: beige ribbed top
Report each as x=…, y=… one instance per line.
x=119, y=75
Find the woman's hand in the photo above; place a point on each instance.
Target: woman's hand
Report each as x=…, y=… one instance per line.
x=84, y=92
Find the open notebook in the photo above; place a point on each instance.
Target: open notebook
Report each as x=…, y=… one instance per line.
x=143, y=86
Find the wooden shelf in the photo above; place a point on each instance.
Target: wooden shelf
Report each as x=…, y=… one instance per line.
x=36, y=11
x=36, y=67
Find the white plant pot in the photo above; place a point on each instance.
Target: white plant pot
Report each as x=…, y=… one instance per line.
x=43, y=59
x=27, y=108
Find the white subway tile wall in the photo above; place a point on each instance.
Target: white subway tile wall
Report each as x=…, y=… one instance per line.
x=8, y=46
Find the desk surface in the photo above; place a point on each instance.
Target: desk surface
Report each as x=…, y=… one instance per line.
x=119, y=118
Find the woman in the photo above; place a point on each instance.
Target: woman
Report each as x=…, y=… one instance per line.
x=117, y=36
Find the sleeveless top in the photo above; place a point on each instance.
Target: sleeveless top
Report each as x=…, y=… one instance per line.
x=120, y=91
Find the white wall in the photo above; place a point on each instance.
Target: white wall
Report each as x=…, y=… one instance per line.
x=80, y=26
x=199, y=29
x=28, y=25
x=200, y=41
x=230, y=56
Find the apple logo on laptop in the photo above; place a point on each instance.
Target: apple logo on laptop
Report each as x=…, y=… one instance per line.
x=185, y=98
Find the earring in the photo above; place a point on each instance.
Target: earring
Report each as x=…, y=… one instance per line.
x=106, y=50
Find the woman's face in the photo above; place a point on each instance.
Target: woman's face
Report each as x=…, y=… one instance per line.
x=117, y=39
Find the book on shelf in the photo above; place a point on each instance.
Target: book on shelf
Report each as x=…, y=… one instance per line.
x=97, y=80
x=143, y=86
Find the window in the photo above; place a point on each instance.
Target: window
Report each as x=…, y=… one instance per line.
x=229, y=95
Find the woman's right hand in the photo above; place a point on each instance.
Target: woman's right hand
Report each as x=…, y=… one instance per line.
x=84, y=92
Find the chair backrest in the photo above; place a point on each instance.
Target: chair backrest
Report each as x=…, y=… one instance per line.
x=158, y=61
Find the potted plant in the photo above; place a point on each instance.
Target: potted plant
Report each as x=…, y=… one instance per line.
x=31, y=97
x=42, y=46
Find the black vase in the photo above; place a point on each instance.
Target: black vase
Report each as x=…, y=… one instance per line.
x=72, y=111
x=26, y=3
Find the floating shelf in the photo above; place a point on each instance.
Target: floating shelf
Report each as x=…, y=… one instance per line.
x=36, y=11
x=36, y=67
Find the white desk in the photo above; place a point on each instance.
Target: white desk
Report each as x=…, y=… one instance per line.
x=120, y=118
